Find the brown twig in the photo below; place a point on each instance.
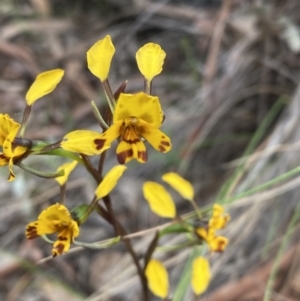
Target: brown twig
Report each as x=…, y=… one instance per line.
x=109, y=216
x=215, y=45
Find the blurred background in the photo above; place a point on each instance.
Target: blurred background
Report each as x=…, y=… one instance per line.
x=231, y=96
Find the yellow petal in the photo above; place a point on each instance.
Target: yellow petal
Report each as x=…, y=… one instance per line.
x=44, y=84
x=150, y=59
x=201, y=275
x=218, y=244
x=84, y=142
x=68, y=168
x=217, y=210
x=109, y=181
x=202, y=232
x=139, y=105
x=182, y=186
x=159, y=199
x=75, y=229
x=8, y=149
x=56, y=212
x=158, y=280
x=63, y=242
x=111, y=134
x=100, y=56
x=219, y=222
x=64, y=239
x=40, y=227
x=159, y=141
x=7, y=126
x=219, y=219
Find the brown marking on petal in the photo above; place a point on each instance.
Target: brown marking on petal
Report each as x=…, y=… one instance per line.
x=99, y=143
x=165, y=143
x=221, y=245
x=162, y=149
x=62, y=238
x=130, y=133
x=143, y=155
x=124, y=155
x=132, y=141
x=31, y=232
x=58, y=250
x=220, y=248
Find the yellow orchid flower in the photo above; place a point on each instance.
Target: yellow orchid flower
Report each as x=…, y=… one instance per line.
x=136, y=116
x=8, y=131
x=215, y=243
x=55, y=219
x=218, y=221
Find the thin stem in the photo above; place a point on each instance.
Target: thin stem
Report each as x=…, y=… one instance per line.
x=108, y=214
x=120, y=90
x=62, y=193
x=196, y=209
x=46, y=175
x=147, y=86
x=122, y=232
x=24, y=120
x=109, y=95
x=91, y=168
x=101, y=162
x=99, y=117
x=265, y=185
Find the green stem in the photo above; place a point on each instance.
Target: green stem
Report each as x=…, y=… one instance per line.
x=229, y=185
x=99, y=117
x=283, y=245
x=46, y=175
x=263, y=186
x=148, y=85
x=24, y=120
x=109, y=95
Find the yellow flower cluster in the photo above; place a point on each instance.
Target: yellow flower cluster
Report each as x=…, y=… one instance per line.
x=162, y=204
x=58, y=219
x=135, y=118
